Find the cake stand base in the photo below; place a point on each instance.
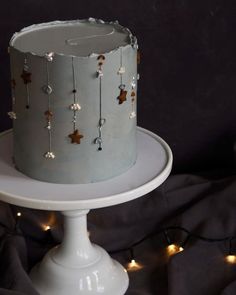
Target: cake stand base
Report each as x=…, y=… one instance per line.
x=77, y=266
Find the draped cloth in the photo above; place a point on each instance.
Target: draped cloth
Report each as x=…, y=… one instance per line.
x=204, y=206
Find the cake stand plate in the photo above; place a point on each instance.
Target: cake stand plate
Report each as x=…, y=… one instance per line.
x=77, y=266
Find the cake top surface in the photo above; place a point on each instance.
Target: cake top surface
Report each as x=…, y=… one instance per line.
x=80, y=38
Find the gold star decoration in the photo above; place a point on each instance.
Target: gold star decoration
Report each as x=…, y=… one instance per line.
x=122, y=96
x=75, y=137
x=26, y=76
x=48, y=115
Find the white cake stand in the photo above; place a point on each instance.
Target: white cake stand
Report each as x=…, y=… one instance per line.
x=77, y=266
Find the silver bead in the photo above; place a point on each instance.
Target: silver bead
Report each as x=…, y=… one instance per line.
x=74, y=119
x=12, y=115
x=122, y=86
x=49, y=56
x=47, y=89
x=133, y=83
x=99, y=73
x=75, y=107
x=26, y=68
x=102, y=121
x=121, y=70
x=49, y=155
x=49, y=126
x=132, y=115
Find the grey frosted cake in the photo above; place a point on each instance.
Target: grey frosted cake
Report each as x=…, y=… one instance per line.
x=74, y=89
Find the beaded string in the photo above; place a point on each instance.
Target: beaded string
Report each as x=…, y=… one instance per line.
x=48, y=113
x=121, y=71
x=75, y=107
x=102, y=120
x=26, y=76
x=133, y=97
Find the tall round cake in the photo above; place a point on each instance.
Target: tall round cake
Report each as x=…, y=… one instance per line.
x=74, y=90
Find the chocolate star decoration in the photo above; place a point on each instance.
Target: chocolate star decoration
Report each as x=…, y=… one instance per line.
x=122, y=96
x=75, y=137
x=26, y=76
x=48, y=115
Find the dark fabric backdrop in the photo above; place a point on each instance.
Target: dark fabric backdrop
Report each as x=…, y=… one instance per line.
x=187, y=95
x=203, y=206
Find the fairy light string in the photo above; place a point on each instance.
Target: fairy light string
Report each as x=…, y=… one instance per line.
x=133, y=264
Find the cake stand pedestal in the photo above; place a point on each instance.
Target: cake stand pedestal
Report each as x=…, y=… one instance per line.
x=77, y=266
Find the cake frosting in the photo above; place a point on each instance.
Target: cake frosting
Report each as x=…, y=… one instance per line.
x=74, y=93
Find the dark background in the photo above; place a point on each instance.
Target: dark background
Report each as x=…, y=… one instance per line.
x=187, y=95
x=187, y=90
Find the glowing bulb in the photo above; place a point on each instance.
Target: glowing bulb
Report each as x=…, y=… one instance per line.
x=173, y=249
x=133, y=265
x=231, y=259
x=181, y=249
x=47, y=227
x=18, y=214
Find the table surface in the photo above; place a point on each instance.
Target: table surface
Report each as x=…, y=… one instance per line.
x=153, y=166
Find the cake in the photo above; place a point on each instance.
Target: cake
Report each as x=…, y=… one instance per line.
x=74, y=93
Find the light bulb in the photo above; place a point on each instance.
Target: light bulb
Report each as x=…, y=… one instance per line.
x=18, y=214
x=230, y=259
x=133, y=265
x=173, y=249
x=47, y=227
x=181, y=249
x=133, y=262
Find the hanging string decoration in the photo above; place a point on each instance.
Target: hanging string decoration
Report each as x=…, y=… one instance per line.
x=133, y=98
x=75, y=136
x=26, y=77
x=48, y=113
x=123, y=93
x=102, y=121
